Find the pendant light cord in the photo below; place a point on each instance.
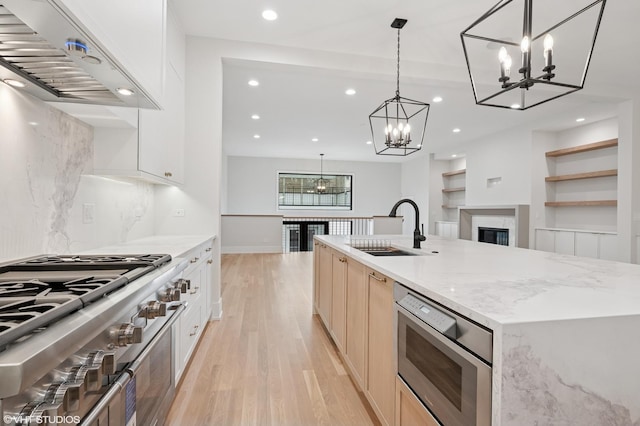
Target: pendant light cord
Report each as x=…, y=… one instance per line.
x=398, y=68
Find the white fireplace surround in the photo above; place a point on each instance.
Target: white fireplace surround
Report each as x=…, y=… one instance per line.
x=500, y=222
x=515, y=218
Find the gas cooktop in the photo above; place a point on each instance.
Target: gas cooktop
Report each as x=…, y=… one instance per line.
x=38, y=291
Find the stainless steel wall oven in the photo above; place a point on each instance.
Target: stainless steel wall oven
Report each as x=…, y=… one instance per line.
x=444, y=358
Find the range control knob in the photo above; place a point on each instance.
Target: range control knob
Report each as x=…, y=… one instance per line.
x=109, y=365
x=40, y=410
x=154, y=309
x=170, y=295
x=126, y=334
x=66, y=396
x=89, y=375
x=106, y=361
x=183, y=285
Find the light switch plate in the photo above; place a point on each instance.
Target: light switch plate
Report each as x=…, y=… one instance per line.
x=88, y=211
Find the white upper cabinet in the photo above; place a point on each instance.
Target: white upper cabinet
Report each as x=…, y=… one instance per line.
x=132, y=31
x=153, y=148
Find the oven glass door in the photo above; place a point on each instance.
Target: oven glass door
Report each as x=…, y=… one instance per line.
x=152, y=380
x=452, y=383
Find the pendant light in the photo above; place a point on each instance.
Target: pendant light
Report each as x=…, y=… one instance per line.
x=541, y=74
x=398, y=125
x=322, y=183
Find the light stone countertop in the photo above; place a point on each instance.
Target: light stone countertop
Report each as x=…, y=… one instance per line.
x=496, y=285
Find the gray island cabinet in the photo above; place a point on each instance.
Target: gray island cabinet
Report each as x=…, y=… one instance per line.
x=566, y=330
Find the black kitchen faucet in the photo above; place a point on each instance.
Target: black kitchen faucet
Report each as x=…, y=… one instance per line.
x=417, y=235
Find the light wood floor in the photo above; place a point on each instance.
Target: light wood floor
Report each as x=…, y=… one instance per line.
x=268, y=361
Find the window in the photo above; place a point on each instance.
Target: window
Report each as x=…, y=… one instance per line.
x=313, y=191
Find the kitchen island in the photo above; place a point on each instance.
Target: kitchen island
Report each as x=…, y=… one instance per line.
x=566, y=330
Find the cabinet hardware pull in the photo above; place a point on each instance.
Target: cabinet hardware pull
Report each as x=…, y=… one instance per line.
x=195, y=290
x=210, y=261
x=168, y=174
x=343, y=259
x=194, y=260
x=372, y=275
x=208, y=249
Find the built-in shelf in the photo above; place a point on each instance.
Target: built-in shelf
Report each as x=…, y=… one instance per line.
x=455, y=172
x=583, y=148
x=612, y=203
x=462, y=188
x=611, y=143
x=587, y=175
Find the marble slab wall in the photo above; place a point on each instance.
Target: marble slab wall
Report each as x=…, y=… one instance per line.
x=50, y=201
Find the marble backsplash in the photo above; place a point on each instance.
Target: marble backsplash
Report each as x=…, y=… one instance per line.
x=52, y=203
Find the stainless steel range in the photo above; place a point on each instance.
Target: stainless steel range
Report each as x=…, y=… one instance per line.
x=87, y=339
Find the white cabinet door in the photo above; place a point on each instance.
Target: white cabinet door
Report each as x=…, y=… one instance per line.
x=190, y=330
x=565, y=242
x=586, y=244
x=608, y=246
x=133, y=32
x=545, y=240
x=161, y=134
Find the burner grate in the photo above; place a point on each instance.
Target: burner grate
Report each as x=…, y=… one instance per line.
x=22, y=315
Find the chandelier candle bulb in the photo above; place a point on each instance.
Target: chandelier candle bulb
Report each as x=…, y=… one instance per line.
x=548, y=50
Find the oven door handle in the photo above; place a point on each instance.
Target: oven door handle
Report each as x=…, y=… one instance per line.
x=135, y=365
x=114, y=392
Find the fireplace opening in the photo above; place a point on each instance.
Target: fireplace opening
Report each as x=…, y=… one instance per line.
x=499, y=236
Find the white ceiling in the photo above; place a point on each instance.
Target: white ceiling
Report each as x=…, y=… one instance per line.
x=298, y=103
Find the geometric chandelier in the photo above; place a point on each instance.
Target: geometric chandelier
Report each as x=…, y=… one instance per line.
x=519, y=56
x=398, y=125
x=322, y=183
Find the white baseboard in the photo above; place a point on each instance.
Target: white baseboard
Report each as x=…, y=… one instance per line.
x=216, y=311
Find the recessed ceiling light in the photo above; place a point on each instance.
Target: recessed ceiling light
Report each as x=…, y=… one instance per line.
x=515, y=106
x=369, y=142
x=314, y=140
x=437, y=99
x=453, y=155
x=14, y=83
x=253, y=83
x=270, y=15
x=580, y=120
x=350, y=92
x=124, y=91
x=456, y=130
x=256, y=136
x=32, y=123
x=255, y=117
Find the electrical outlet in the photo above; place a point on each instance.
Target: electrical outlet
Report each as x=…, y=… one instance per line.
x=88, y=210
x=178, y=213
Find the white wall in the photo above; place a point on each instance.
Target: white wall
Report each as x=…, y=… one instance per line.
x=628, y=181
x=415, y=186
x=252, y=185
x=45, y=164
x=505, y=155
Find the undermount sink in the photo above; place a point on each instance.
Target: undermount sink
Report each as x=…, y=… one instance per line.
x=386, y=251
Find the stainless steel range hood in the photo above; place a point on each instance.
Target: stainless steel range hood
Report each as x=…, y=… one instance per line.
x=57, y=61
